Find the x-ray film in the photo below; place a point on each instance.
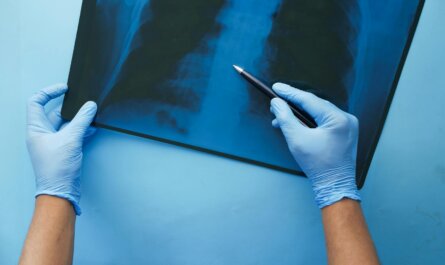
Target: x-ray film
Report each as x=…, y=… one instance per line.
x=162, y=69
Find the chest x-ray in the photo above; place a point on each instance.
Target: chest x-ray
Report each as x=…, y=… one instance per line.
x=163, y=68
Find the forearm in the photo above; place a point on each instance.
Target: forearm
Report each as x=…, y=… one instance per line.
x=347, y=238
x=50, y=239
x=55, y=149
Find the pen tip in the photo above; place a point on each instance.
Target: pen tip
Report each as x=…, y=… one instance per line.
x=238, y=69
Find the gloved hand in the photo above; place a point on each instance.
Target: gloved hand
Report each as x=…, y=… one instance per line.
x=55, y=147
x=326, y=154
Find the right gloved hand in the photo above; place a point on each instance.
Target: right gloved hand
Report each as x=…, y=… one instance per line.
x=326, y=154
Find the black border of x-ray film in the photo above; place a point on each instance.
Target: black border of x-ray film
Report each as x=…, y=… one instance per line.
x=88, y=8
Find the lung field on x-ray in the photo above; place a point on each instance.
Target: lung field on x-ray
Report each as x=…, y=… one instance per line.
x=172, y=30
x=313, y=45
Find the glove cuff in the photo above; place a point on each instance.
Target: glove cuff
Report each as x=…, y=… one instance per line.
x=72, y=200
x=335, y=185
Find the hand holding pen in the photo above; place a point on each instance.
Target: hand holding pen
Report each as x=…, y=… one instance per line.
x=302, y=116
x=327, y=152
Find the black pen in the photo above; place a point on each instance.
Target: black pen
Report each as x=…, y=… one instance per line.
x=304, y=118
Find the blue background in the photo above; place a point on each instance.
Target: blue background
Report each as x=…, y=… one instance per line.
x=153, y=203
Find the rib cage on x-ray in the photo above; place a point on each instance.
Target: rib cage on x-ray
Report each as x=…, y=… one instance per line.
x=327, y=68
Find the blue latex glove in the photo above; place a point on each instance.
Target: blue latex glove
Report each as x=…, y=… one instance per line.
x=55, y=147
x=327, y=154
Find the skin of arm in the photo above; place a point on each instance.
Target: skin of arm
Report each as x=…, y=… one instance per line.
x=347, y=237
x=50, y=237
x=55, y=148
x=327, y=154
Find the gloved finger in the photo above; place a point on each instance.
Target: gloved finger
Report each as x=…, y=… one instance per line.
x=37, y=119
x=82, y=121
x=63, y=126
x=285, y=119
x=91, y=131
x=275, y=124
x=55, y=117
x=317, y=107
x=45, y=95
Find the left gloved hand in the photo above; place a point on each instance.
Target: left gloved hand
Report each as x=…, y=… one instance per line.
x=55, y=147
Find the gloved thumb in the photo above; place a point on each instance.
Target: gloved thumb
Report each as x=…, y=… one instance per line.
x=285, y=119
x=83, y=119
x=316, y=107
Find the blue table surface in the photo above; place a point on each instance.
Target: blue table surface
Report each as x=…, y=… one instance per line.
x=146, y=202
